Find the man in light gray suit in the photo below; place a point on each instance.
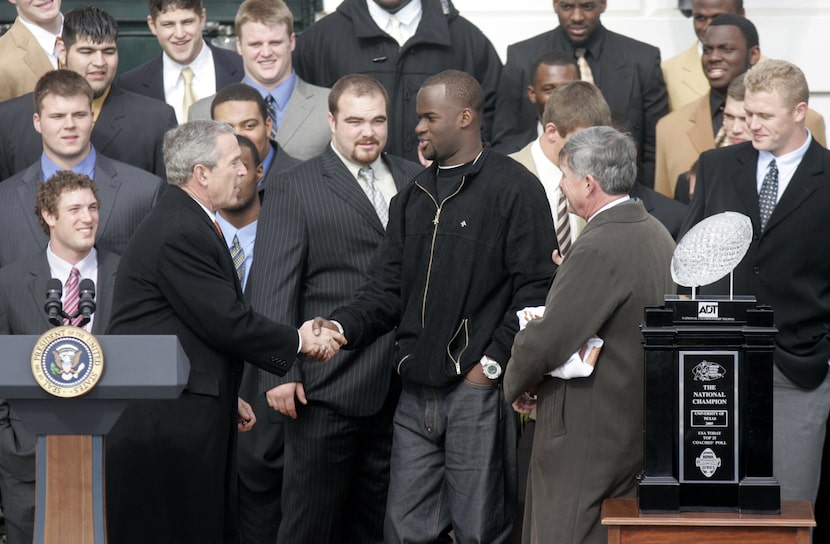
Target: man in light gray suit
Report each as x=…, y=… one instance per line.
x=66, y=208
x=63, y=117
x=318, y=229
x=265, y=39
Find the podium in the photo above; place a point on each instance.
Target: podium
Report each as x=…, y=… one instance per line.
x=70, y=504
x=708, y=407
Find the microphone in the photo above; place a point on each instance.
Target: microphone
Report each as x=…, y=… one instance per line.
x=54, y=306
x=86, y=300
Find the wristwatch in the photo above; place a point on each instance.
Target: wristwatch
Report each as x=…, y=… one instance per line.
x=490, y=367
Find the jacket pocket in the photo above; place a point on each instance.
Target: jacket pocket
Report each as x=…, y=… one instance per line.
x=200, y=383
x=458, y=344
x=551, y=408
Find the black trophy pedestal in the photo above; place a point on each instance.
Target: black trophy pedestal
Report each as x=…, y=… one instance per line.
x=708, y=407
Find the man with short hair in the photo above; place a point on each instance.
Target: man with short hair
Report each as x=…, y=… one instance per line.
x=64, y=118
x=171, y=464
x=128, y=127
x=297, y=110
x=66, y=207
x=29, y=47
x=321, y=223
x=550, y=70
x=588, y=445
x=467, y=245
x=730, y=47
x=400, y=43
x=243, y=108
x=188, y=68
x=625, y=70
x=684, y=76
x=781, y=181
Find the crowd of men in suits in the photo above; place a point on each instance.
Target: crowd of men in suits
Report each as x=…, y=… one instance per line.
x=345, y=196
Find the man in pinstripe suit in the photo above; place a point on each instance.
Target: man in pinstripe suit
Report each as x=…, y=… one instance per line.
x=318, y=229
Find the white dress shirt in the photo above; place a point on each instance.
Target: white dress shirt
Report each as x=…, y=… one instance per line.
x=45, y=39
x=409, y=17
x=384, y=181
x=204, y=79
x=787, y=165
x=87, y=267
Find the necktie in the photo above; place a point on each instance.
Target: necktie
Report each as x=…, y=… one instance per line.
x=768, y=196
x=71, y=296
x=394, y=29
x=271, y=104
x=238, y=257
x=189, y=95
x=585, y=73
x=563, y=224
x=218, y=228
x=720, y=138
x=375, y=196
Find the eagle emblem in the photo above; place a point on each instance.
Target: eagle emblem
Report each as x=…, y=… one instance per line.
x=66, y=362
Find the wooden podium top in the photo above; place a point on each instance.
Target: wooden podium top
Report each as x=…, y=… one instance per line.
x=625, y=512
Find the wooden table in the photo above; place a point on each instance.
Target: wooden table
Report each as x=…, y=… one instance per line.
x=626, y=525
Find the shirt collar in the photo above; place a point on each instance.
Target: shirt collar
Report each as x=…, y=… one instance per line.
x=544, y=167
x=281, y=92
x=246, y=234
x=60, y=269
x=44, y=38
x=354, y=167
x=787, y=162
x=199, y=64
x=406, y=15
x=621, y=200
x=85, y=167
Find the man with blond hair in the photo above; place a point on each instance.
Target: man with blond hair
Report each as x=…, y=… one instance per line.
x=781, y=180
x=297, y=110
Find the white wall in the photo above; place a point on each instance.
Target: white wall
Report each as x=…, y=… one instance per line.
x=795, y=30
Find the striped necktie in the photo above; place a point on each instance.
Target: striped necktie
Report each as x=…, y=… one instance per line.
x=375, y=196
x=271, y=106
x=563, y=224
x=72, y=296
x=585, y=73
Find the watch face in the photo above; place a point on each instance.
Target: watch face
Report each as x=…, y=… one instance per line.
x=492, y=371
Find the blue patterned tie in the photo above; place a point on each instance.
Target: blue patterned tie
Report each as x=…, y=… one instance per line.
x=238, y=257
x=271, y=104
x=768, y=196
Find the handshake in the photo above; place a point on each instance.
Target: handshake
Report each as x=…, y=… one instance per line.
x=321, y=339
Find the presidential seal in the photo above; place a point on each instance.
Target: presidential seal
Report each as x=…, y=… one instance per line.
x=67, y=362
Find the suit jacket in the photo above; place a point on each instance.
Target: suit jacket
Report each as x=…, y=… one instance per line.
x=24, y=61
x=784, y=266
x=304, y=131
x=126, y=194
x=669, y=212
x=148, y=79
x=23, y=285
x=130, y=129
x=525, y=157
x=588, y=440
x=686, y=133
x=177, y=277
x=685, y=81
x=629, y=77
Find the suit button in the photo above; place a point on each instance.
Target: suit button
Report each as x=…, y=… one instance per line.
x=756, y=270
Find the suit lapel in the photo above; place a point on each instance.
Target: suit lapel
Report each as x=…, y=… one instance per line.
x=107, y=266
x=341, y=182
x=700, y=131
x=804, y=182
x=109, y=123
x=615, y=75
x=26, y=192
x=106, y=178
x=39, y=275
x=743, y=176
x=296, y=112
x=35, y=59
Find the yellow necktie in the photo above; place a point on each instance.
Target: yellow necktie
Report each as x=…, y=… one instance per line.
x=585, y=73
x=189, y=95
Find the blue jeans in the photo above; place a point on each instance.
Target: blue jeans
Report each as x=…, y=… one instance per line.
x=453, y=466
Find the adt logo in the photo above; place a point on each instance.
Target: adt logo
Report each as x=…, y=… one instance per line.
x=707, y=310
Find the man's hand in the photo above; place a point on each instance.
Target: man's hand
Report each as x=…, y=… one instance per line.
x=246, y=417
x=476, y=375
x=281, y=398
x=556, y=257
x=321, y=339
x=525, y=403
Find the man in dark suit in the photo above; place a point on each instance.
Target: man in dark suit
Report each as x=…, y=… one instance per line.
x=243, y=108
x=188, y=68
x=128, y=127
x=63, y=117
x=67, y=207
x=297, y=109
x=171, y=465
x=625, y=70
x=319, y=228
x=781, y=180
